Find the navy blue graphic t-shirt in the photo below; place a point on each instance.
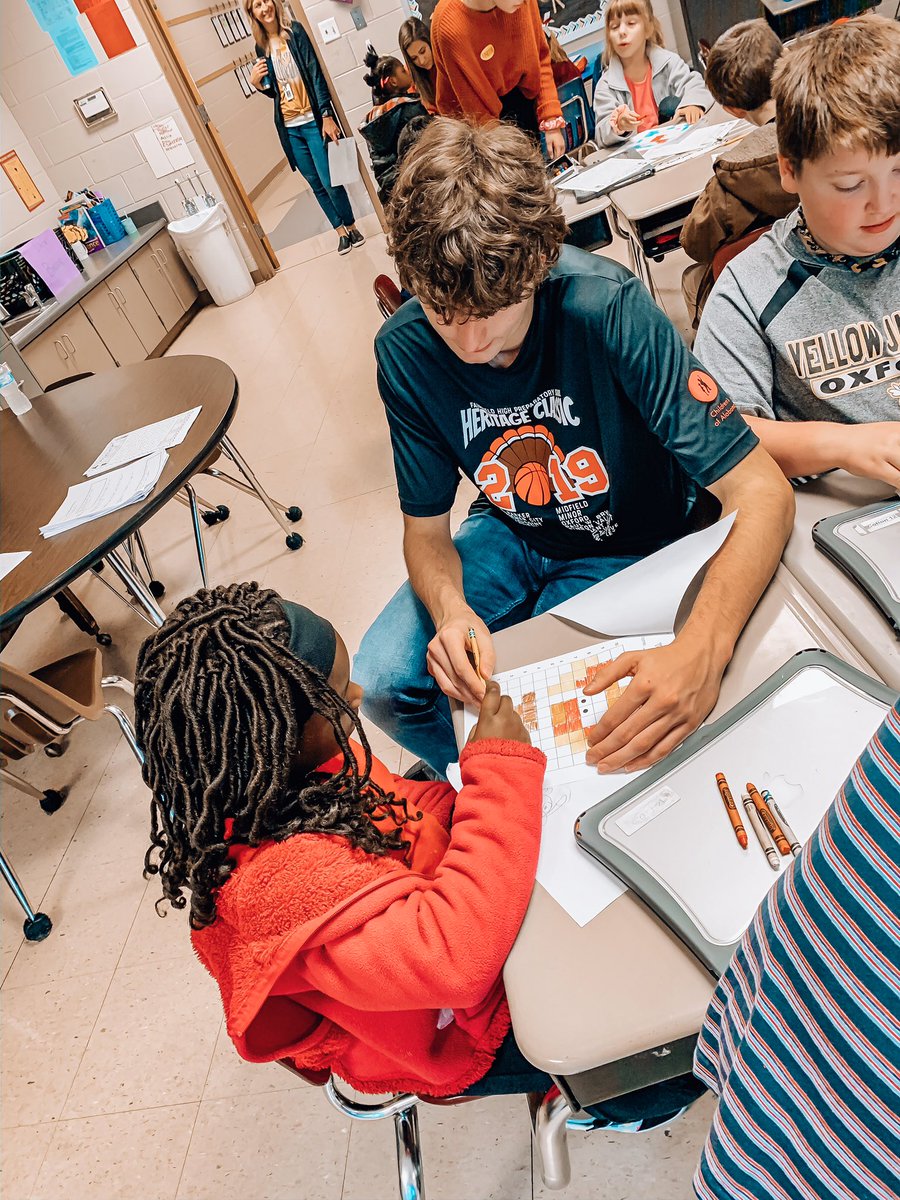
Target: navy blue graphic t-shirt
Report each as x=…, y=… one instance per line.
x=594, y=441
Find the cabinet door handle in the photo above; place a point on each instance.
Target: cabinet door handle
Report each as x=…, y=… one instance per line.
x=60, y=350
x=156, y=260
x=165, y=261
x=69, y=344
x=118, y=292
x=113, y=300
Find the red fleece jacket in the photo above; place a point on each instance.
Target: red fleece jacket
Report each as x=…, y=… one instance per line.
x=389, y=977
x=481, y=56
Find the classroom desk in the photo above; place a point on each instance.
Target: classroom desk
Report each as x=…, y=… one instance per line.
x=836, y=594
x=47, y=449
x=617, y=1005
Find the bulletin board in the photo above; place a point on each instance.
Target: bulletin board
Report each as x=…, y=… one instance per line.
x=572, y=18
x=21, y=180
x=667, y=834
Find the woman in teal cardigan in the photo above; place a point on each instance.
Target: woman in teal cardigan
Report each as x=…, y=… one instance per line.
x=288, y=71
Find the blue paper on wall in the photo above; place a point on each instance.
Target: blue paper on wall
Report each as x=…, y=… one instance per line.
x=59, y=18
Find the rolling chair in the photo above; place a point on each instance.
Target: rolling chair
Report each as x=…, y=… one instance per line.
x=41, y=708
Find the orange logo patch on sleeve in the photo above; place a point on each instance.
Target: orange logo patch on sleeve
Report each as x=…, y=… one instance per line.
x=702, y=386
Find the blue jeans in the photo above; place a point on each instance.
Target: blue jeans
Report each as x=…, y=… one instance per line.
x=311, y=158
x=505, y=582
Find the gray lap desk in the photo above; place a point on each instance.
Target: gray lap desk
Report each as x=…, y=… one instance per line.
x=836, y=594
x=617, y=1004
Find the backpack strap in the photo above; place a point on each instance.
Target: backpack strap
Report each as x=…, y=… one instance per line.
x=797, y=275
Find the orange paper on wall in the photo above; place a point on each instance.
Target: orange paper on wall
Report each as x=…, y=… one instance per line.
x=109, y=25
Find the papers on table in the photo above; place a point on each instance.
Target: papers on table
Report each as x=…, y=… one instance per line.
x=611, y=173
x=9, y=562
x=127, y=447
x=683, y=141
x=644, y=598
x=106, y=494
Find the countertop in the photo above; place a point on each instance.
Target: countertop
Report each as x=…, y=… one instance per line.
x=97, y=268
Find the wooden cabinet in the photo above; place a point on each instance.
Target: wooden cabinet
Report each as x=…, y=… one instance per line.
x=69, y=347
x=148, y=269
x=179, y=277
x=121, y=313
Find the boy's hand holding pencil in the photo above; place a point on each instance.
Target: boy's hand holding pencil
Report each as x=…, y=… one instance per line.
x=461, y=657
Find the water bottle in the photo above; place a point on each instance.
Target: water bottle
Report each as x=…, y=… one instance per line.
x=15, y=398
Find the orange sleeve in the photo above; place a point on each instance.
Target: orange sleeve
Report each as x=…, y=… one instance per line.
x=548, y=106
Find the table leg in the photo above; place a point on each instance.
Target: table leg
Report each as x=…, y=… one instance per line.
x=639, y=261
x=136, y=586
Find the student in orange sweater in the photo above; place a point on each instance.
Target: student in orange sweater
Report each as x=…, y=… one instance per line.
x=354, y=921
x=493, y=62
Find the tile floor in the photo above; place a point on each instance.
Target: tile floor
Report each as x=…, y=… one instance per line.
x=118, y=1081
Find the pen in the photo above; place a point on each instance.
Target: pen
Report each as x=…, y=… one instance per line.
x=785, y=827
x=731, y=808
x=761, y=836
x=766, y=816
x=474, y=651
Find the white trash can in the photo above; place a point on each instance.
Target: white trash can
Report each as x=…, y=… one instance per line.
x=209, y=247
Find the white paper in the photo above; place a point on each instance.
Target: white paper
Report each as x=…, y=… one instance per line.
x=644, y=598
x=106, y=494
x=9, y=561
x=127, y=447
x=164, y=147
x=577, y=882
x=603, y=175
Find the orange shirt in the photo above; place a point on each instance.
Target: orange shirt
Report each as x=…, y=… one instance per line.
x=643, y=101
x=482, y=56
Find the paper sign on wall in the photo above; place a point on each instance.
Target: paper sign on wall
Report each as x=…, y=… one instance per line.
x=21, y=180
x=109, y=25
x=59, y=18
x=164, y=148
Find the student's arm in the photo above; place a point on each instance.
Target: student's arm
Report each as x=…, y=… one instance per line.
x=674, y=687
x=606, y=102
x=444, y=945
x=688, y=85
x=435, y=573
x=548, y=106
x=871, y=450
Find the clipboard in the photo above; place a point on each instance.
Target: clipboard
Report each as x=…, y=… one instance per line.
x=865, y=544
x=667, y=834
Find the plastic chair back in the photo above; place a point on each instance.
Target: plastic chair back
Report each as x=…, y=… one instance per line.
x=387, y=295
x=65, y=691
x=730, y=250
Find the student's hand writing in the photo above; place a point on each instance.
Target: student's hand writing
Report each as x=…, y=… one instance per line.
x=498, y=718
x=330, y=131
x=451, y=664
x=624, y=119
x=691, y=113
x=672, y=689
x=258, y=72
x=556, y=144
x=871, y=450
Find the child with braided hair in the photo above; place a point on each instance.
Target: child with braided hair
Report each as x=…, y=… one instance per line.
x=349, y=924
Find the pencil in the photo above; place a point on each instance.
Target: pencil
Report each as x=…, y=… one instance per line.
x=768, y=819
x=785, y=827
x=731, y=808
x=474, y=651
x=761, y=835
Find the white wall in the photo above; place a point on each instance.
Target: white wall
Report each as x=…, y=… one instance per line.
x=38, y=94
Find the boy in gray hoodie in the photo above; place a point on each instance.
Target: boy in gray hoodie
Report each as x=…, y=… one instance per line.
x=803, y=329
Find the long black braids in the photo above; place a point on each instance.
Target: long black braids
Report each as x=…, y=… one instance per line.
x=220, y=706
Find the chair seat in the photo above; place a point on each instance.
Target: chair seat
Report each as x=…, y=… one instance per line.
x=66, y=690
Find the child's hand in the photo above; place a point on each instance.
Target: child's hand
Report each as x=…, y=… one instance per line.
x=624, y=119
x=691, y=113
x=498, y=718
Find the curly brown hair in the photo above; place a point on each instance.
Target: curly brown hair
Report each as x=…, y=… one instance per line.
x=473, y=223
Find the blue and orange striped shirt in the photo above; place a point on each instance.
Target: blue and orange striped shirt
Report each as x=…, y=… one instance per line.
x=802, y=1038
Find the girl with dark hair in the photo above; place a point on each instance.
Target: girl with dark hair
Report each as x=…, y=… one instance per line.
x=415, y=46
x=288, y=71
x=394, y=109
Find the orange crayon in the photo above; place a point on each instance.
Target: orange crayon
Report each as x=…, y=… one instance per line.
x=731, y=808
x=768, y=819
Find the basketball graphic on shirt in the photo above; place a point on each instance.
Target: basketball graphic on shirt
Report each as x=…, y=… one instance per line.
x=526, y=452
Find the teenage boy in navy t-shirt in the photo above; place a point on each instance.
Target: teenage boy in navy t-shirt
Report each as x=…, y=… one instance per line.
x=548, y=377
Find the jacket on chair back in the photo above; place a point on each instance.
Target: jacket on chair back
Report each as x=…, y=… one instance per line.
x=387, y=974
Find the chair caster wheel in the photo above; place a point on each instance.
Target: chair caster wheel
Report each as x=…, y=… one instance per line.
x=157, y=589
x=56, y=749
x=37, y=929
x=220, y=513
x=54, y=799
x=98, y=566
x=103, y=639
x=293, y=513
x=293, y=541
